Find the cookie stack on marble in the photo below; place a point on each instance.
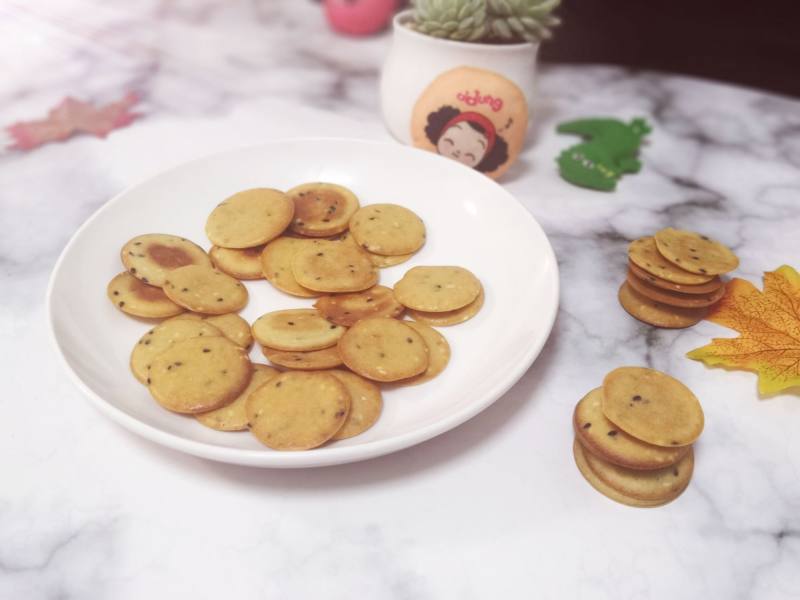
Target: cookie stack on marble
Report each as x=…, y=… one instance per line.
x=634, y=436
x=674, y=277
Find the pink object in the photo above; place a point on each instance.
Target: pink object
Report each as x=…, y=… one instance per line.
x=359, y=17
x=70, y=117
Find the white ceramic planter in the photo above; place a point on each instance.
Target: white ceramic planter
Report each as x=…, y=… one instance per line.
x=416, y=59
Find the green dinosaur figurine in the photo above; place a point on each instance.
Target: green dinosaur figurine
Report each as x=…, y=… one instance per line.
x=609, y=153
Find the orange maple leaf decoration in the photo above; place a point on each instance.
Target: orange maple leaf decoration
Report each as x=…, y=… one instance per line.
x=73, y=116
x=769, y=323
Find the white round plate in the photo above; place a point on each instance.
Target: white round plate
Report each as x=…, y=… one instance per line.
x=471, y=222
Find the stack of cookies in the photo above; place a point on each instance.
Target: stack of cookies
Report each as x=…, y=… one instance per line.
x=674, y=277
x=634, y=436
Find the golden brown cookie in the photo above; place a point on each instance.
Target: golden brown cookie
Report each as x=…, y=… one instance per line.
x=347, y=309
x=388, y=229
x=702, y=288
x=652, y=406
x=161, y=337
x=580, y=455
x=151, y=256
x=674, y=298
x=379, y=260
x=644, y=254
x=205, y=290
x=366, y=404
x=298, y=410
x=233, y=327
x=329, y=266
x=384, y=349
x=199, y=374
x=134, y=297
x=437, y=289
x=249, y=218
x=233, y=416
x=322, y=209
x=655, y=313
x=604, y=439
x=244, y=263
x=655, y=485
x=449, y=317
x=313, y=360
x=383, y=262
x=474, y=116
x=694, y=252
x=438, y=353
x=298, y=329
x=276, y=264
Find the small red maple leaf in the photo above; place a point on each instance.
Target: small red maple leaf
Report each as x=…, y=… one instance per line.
x=70, y=117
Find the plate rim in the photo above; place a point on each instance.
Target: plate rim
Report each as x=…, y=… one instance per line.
x=317, y=457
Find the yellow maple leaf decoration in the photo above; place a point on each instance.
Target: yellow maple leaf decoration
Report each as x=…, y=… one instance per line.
x=769, y=324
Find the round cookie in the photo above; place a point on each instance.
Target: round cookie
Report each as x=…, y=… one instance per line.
x=151, y=256
x=205, y=290
x=134, y=297
x=161, y=337
x=474, y=116
x=388, y=229
x=199, y=374
x=366, y=404
x=383, y=262
x=233, y=327
x=233, y=416
x=313, y=360
x=298, y=410
x=249, y=218
x=379, y=260
x=701, y=288
x=329, y=266
x=242, y=263
x=674, y=298
x=276, y=264
x=322, y=209
x=652, y=406
x=644, y=254
x=604, y=439
x=579, y=454
x=437, y=289
x=384, y=349
x=347, y=309
x=298, y=329
x=694, y=252
x=655, y=485
x=449, y=317
x=438, y=353
x=655, y=313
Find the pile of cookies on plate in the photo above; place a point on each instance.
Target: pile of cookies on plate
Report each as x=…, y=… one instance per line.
x=674, y=277
x=315, y=241
x=634, y=436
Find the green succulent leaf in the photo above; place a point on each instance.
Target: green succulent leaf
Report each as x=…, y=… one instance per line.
x=477, y=20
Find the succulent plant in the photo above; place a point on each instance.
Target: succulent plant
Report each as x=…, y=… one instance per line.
x=501, y=21
x=526, y=20
x=463, y=20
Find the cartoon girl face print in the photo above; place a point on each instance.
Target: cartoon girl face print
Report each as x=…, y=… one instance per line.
x=464, y=143
x=468, y=137
x=474, y=116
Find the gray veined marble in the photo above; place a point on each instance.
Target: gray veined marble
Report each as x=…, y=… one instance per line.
x=493, y=509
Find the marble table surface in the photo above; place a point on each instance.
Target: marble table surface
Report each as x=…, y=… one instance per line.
x=493, y=509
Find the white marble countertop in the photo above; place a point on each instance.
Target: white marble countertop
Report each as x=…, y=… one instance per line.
x=493, y=509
